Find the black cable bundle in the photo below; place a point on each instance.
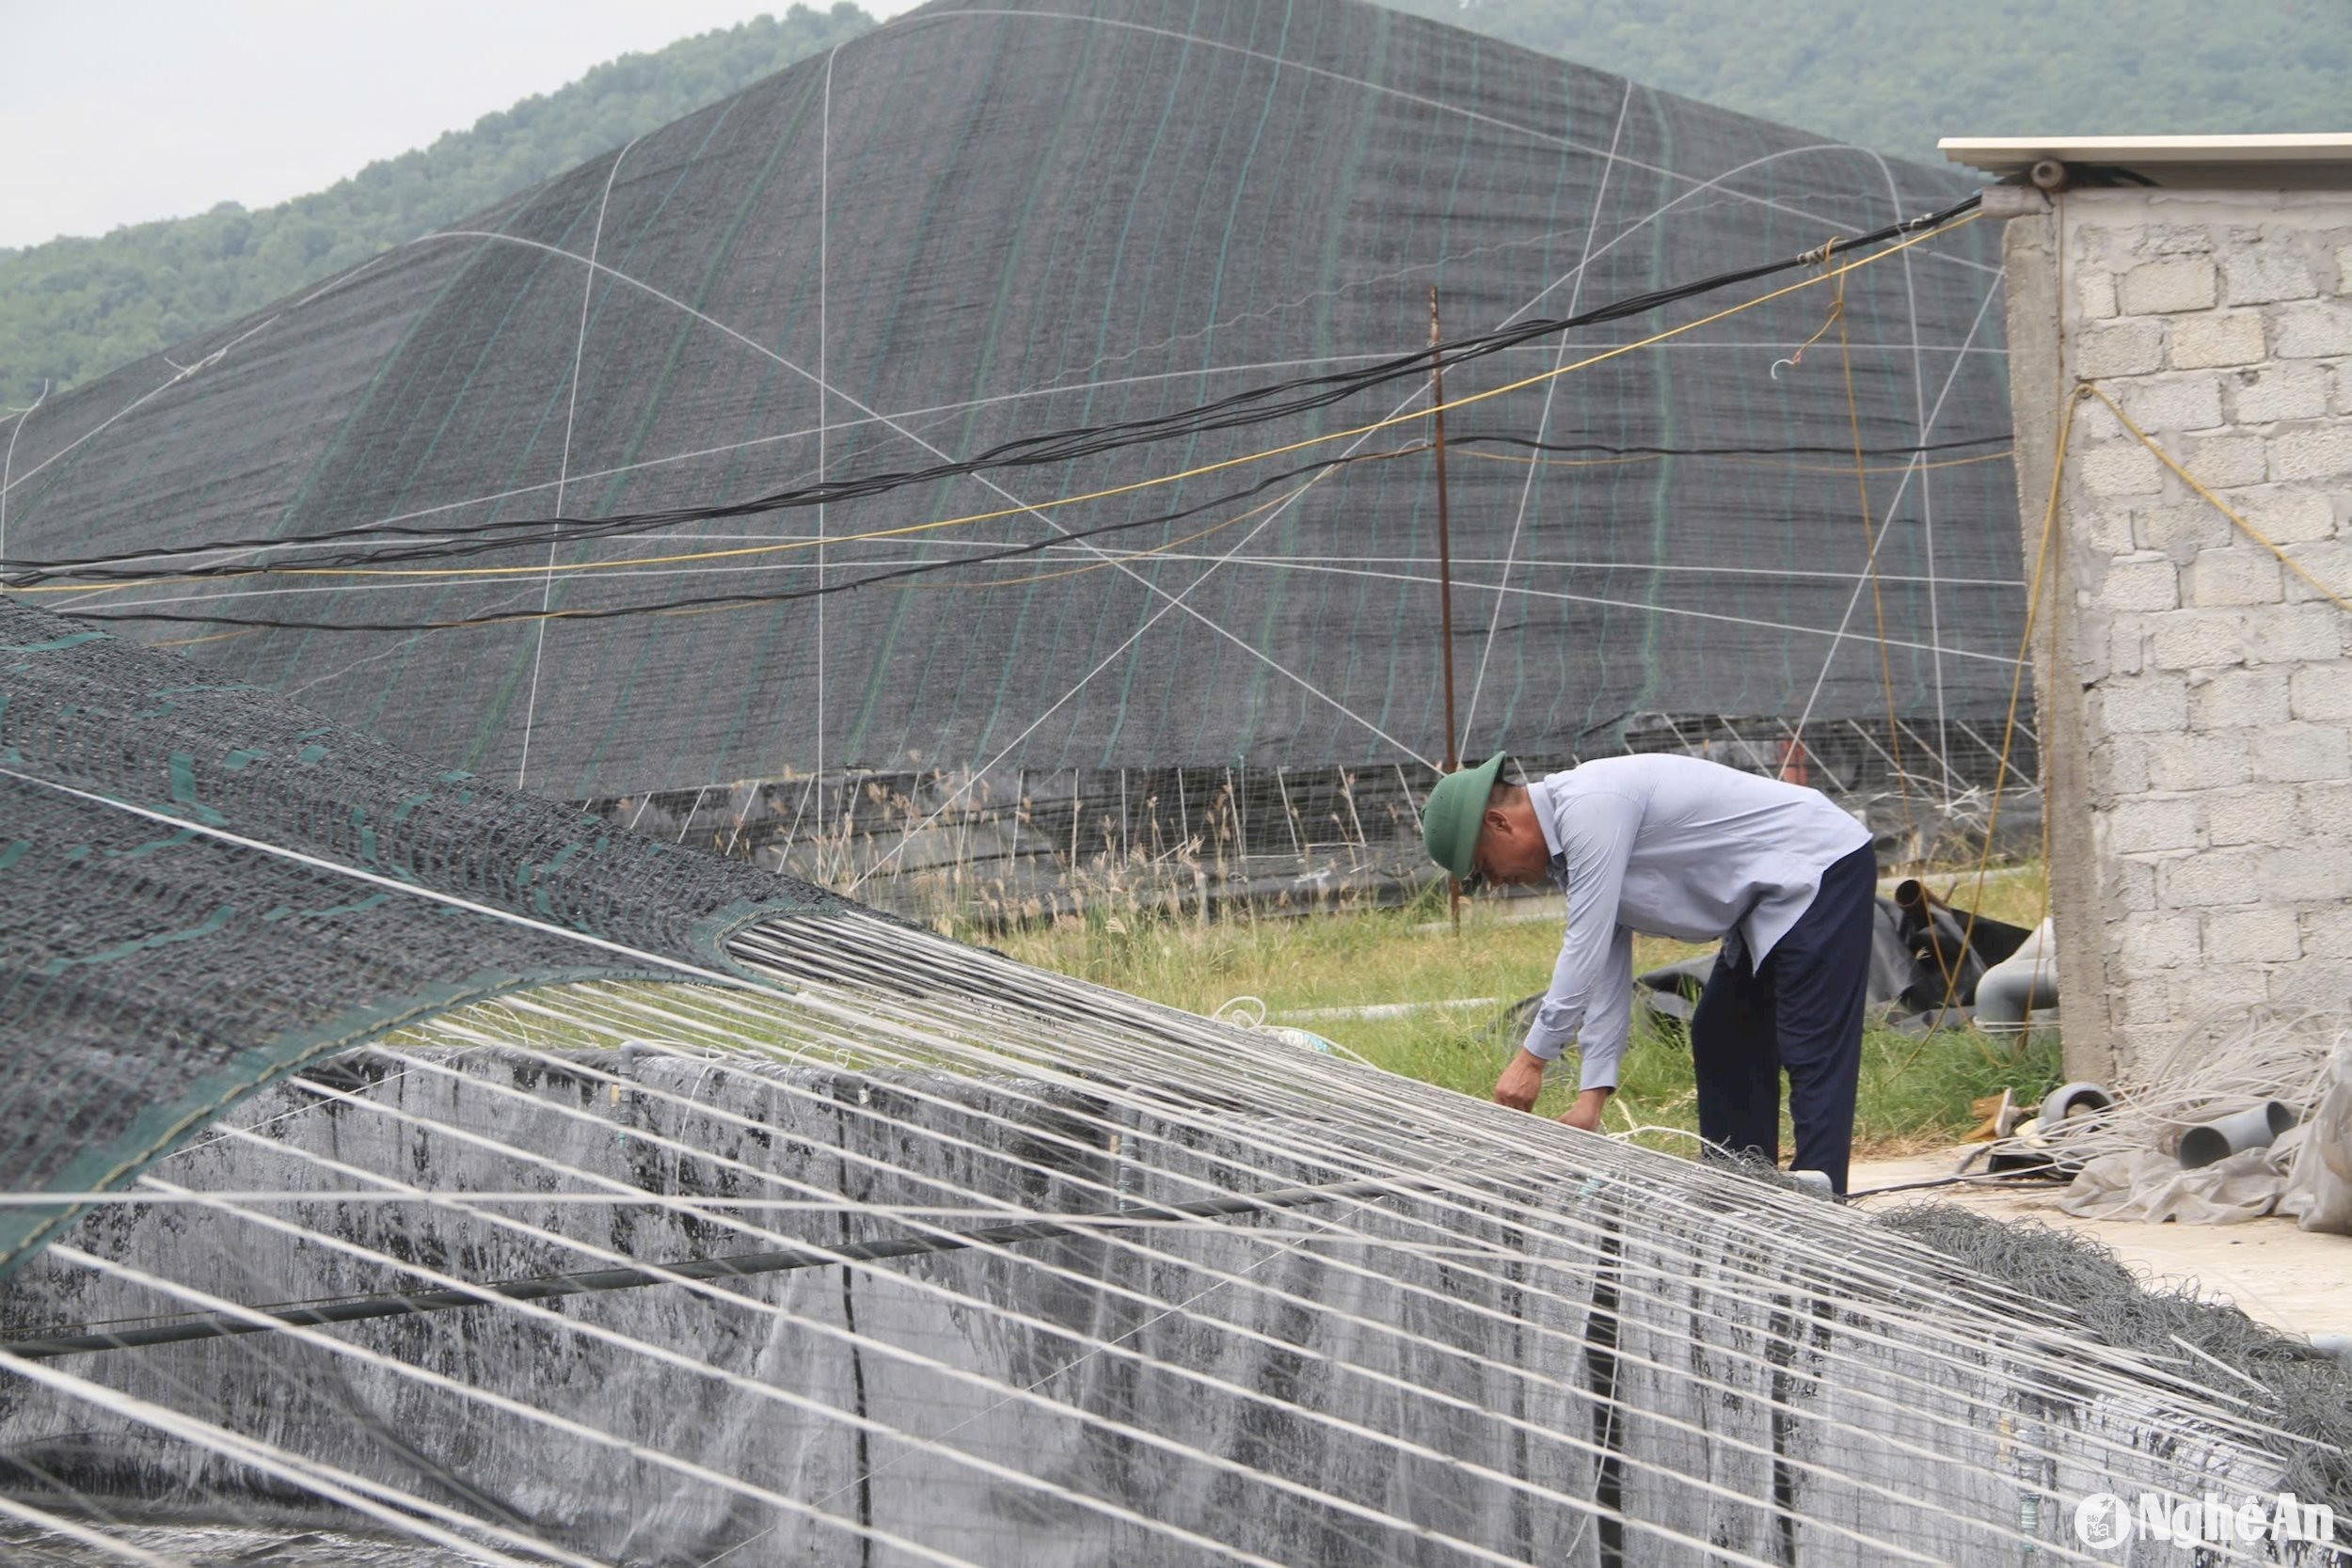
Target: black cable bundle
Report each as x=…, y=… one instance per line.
x=1275, y=400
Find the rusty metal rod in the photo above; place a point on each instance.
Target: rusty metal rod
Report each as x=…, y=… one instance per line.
x=1445, y=570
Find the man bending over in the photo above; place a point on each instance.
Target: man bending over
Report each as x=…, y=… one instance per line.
x=1678, y=847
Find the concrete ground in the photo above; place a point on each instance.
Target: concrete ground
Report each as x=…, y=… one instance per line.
x=2294, y=1280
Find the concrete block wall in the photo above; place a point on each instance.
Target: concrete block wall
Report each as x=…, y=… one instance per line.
x=2197, y=694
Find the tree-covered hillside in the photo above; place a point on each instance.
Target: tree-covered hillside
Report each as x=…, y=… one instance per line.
x=74, y=308
x=1890, y=75
x=1897, y=75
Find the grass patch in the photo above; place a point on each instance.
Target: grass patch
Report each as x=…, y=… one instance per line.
x=1912, y=1095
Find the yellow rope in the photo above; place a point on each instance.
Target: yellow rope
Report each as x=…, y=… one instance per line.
x=210, y=637
x=1279, y=501
x=1282, y=500
x=2083, y=390
x=493, y=573
x=970, y=586
x=1878, y=598
x=2215, y=502
x=2042, y=753
x=1116, y=560
x=2016, y=687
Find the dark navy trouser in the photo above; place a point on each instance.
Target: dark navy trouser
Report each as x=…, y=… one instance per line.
x=1801, y=1010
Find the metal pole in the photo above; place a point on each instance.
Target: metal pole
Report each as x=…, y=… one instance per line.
x=1445, y=572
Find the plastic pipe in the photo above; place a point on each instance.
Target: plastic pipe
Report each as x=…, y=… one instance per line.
x=1814, y=1182
x=2252, y=1127
x=2072, y=1099
x=2025, y=980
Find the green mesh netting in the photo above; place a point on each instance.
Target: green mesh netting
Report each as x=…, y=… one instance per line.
x=152, y=970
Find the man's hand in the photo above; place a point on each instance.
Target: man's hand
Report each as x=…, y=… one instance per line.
x=1521, y=1081
x=1585, y=1112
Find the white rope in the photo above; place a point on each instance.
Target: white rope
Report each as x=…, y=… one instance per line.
x=1543, y=424
x=387, y=1505
x=22, y=416
x=1526, y=1430
x=1291, y=563
x=181, y=374
x=1926, y=1389
x=564, y=463
x=940, y=411
x=410, y=1371
x=942, y=1371
x=1894, y=505
x=1174, y=601
x=76, y=1531
x=392, y=884
x=555, y=1064
x=1419, y=100
x=836, y=941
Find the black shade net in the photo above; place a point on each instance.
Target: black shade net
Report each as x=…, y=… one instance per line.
x=980, y=225
x=203, y=886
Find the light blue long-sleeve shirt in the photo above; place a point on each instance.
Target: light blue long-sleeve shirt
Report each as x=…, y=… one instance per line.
x=1674, y=846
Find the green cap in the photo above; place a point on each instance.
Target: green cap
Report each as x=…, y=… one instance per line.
x=1451, y=820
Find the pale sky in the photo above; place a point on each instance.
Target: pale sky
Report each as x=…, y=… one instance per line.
x=119, y=111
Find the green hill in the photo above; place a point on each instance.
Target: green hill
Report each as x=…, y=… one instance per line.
x=74, y=308
x=1890, y=75
x=1896, y=74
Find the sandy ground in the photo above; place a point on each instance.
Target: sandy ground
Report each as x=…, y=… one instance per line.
x=2290, y=1278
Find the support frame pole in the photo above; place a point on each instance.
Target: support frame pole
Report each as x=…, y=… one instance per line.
x=1446, y=571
